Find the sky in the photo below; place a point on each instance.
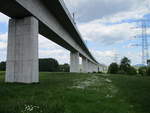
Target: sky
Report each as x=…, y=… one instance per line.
x=107, y=27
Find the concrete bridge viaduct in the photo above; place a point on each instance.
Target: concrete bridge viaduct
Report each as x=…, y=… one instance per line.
x=51, y=19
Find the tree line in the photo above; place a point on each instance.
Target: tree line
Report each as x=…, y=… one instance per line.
x=45, y=65
x=125, y=68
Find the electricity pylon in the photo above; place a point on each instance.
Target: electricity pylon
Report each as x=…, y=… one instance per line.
x=144, y=40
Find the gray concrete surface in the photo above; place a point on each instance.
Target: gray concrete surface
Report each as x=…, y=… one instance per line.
x=74, y=62
x=84, y=65
x=22, y=51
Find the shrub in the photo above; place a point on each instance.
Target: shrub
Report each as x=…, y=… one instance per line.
x=94, y=72
x=64, y=68
x=100, y=72
x=121, y=72
x=2, y=66
x=148, y=71
x=132, y=71
x=142, y=70
x=113, y=68
x=48, y=65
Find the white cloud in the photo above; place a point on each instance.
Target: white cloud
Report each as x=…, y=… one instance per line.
x=61, y=55
x=3, y=42
x=126, y=15
x=3, y=37
x=109, y=56
x=3, y=18
x=89, y=10
x=134, y=57
x=106, y=34
x=3, y=46
x=45, y=43
x=74, y=3
x=48, y=49
x=104, y=57
x=130, y=45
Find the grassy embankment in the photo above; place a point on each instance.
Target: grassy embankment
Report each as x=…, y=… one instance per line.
x=77, y=93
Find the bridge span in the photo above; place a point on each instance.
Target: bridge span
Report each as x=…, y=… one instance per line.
x=51, y=19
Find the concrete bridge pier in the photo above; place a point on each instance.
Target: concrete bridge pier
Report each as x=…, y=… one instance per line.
x=90, y=67
x=74, y=62
x=93, y=67
x=22, y=51
x=96, y=68
x=85, y=65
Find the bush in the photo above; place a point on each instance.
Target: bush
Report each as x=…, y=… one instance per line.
x=121, y=72
x=94, y=72
x=148, y=71
x=132, y=71
x=64, y=68
x=48, y=65
x=142, y=70
x=113, y=68
x=2, y=66
x=100, y=72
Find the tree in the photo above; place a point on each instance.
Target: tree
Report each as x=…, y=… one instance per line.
x=48, y=65
x=125, y=65
x=113, y=68
x=2, y=66
x=64, y=68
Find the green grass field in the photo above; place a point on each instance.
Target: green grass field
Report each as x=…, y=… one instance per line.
x=77, y=93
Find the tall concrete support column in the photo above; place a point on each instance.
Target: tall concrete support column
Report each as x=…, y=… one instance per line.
x=93, y=68
x=22, y=51
x=84, y=65
x=89, y=66
x=96, y=67
x=74, y=62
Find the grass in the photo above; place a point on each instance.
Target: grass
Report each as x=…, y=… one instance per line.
x=135, y=90
x=77, y=93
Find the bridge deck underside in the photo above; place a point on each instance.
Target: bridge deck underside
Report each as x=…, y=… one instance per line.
x=14, y=9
